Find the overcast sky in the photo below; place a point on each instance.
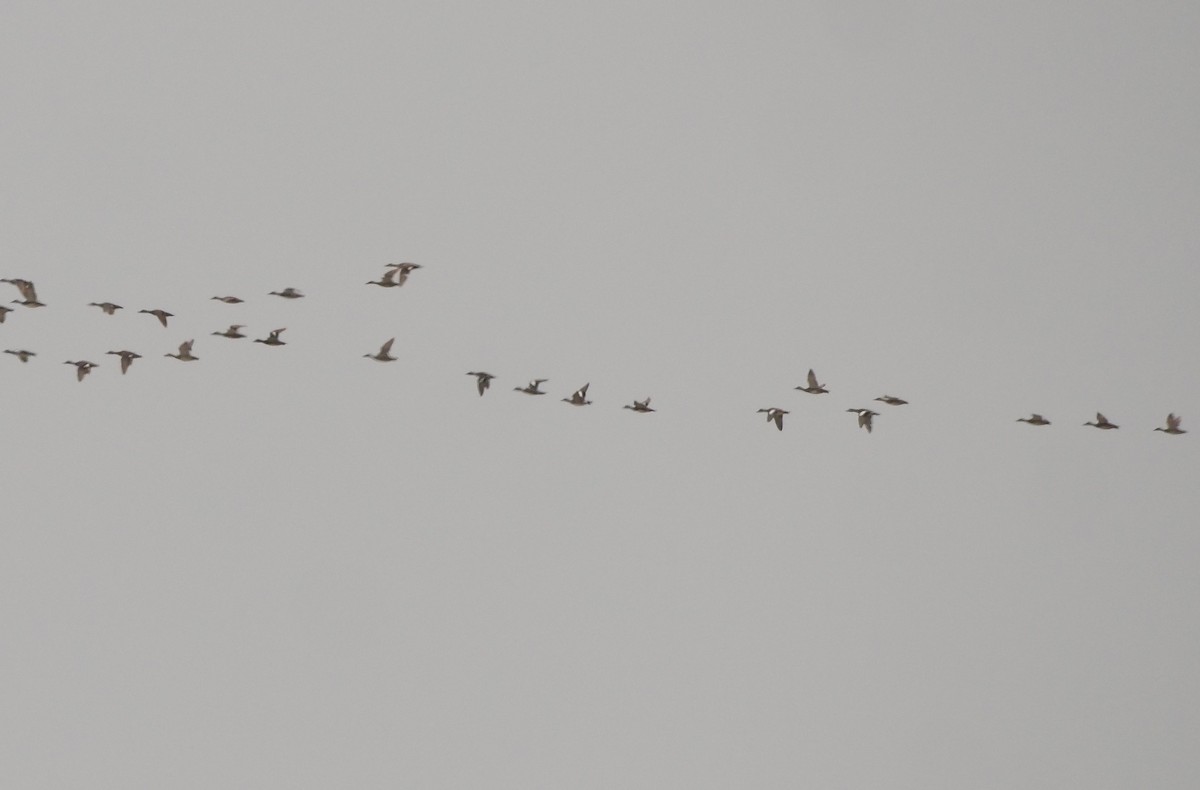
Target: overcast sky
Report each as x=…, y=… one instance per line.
x=294, y=567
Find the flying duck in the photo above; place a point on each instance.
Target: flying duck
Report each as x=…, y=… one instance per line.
x=813, y=387
x=532, y=387
x=4, y=311
x=865, y=416
x=232, y=331
x=288, y=293
x=22, y=355
x=161, y=315
x=402, y=270
x=273, y=339
x=127, y=358
x=482, y=380
x=185, y=352
x=108, y=307
x=1034, y=419
x=229, y=299
x=1172, y=425
x=384, y=354
x=82, y=368
x=579, y=397
x=1102, y=423
x=639, y=405
x=27, y=291
x=776, y=415
x=892, y=400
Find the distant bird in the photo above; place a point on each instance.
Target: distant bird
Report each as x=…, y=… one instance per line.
x=232, y=331
x=1172, y=425
x=579, y=397
x=127, y=358
x=185, y=352
x=27, y=291
x=288, y=293
x=273, y=339
x=532, y=387
x=388, y=280
x=1034, y=419
x=402, y=270
x=482, y=380
x=82, y=368
x=108, y=307
x=22, y=355
x=161, y=315
x=865, y=417
x=384, y=354
x=1102, y=423
x=776, y=415
x=892, y=400
x=229, y=299
x=813, y=387
x=4, y=311
x=639, y=405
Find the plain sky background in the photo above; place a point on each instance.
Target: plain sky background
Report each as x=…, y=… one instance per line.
x=293, y=567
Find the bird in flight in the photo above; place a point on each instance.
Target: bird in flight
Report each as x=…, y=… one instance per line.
x=1034, y=419
x=82, y=368
x=383, y=354
x=273, y=338
x=127, y=358
x=813, y=387
x=639, y=405
x=1172, y=425
x=161, y=315
x=1102, y=423
x=532, y=387
x=579, y=396
x=776, y=415
x=482, y=380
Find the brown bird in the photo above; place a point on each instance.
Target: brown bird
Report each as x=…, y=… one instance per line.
x=639, y=405
x=865, y=417
x=892, y=400
x=388, y=280
x=813, y=387
x=4, y=311
x=108, y=307
x=185, y=352
x=775, y=415
x=1102, y=423
x=288, y=293
x=1172, y=425
x=273, y=339
x=579, y=397
x=402, y=271
x=232, y=331
x=482, y=380
x=161, y=315
x=383, y=355
x=228, y=299
x=22, y=355
x=1034, y=419
x=82, y=368
x=532, y=387
x=127, y=358
x=27, y=291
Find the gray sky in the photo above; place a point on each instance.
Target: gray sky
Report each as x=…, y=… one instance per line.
x=293, y=567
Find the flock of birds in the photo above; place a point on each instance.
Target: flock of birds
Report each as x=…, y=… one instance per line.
x=396, y=275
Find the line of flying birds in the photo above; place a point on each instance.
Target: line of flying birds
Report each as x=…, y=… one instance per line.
x=396, y=275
